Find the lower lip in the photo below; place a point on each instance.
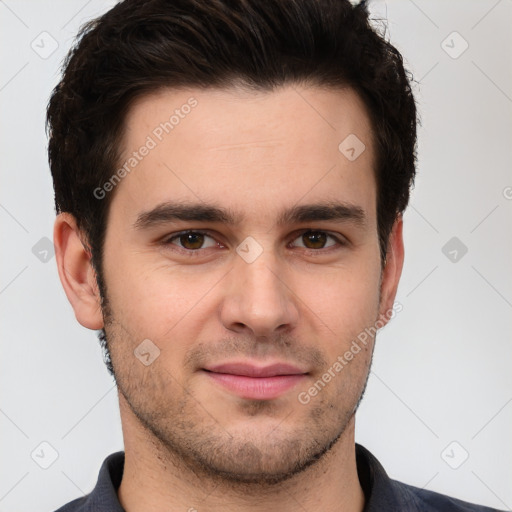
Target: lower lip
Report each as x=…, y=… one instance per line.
x=257, y=388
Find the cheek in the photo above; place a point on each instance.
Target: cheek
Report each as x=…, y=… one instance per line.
x=155, y=300
x=345, y=300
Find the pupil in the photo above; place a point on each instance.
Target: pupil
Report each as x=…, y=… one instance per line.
x=189, y=237
x=317, y=238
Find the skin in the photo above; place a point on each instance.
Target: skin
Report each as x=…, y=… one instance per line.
x=190, y=443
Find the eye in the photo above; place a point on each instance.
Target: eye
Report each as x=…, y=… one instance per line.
x=191, y=240
x=316, y=240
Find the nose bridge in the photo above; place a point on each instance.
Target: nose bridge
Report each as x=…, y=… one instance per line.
x=260, y=275
x=259, y=297
x=257, y=269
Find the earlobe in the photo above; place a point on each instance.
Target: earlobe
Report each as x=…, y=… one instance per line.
x=392, y=270
x=76, y=272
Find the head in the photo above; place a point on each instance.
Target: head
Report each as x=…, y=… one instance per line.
x=285, y=133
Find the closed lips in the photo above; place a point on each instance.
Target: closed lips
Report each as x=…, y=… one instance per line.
x=249, y=370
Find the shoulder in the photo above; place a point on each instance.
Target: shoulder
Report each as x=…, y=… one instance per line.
x=385, y=494
x=73, y=506
x=430, y=501
x=103, y=498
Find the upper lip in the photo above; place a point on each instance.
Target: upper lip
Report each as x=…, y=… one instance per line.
x=251, y=370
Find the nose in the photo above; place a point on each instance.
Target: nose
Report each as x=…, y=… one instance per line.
x=258, y=300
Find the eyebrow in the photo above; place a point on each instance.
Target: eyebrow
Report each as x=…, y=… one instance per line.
x=202, y=212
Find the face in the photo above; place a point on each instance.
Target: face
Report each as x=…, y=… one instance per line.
x=241, y=263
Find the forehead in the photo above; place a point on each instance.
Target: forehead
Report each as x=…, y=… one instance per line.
x=252, y=151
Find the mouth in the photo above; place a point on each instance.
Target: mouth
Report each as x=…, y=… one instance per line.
x=254, y=382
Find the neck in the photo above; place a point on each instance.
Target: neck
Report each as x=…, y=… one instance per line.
x=154, y=480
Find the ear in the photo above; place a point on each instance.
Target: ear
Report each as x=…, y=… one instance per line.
x=76, y=272
x=392, y=270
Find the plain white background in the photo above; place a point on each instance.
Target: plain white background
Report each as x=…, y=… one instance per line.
x=441, y=384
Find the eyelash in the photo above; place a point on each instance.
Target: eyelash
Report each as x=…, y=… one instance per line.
x=197, y=252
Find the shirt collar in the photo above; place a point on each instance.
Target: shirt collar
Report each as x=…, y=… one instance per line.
x=381, y=493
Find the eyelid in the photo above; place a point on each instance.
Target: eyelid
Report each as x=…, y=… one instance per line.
x=340, y=239
x=168, y=239
x=337, y=236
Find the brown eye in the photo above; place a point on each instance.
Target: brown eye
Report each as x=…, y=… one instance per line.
x=191, y=240
x=316, y=240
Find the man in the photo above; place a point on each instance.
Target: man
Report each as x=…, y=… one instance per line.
x=230, y=179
